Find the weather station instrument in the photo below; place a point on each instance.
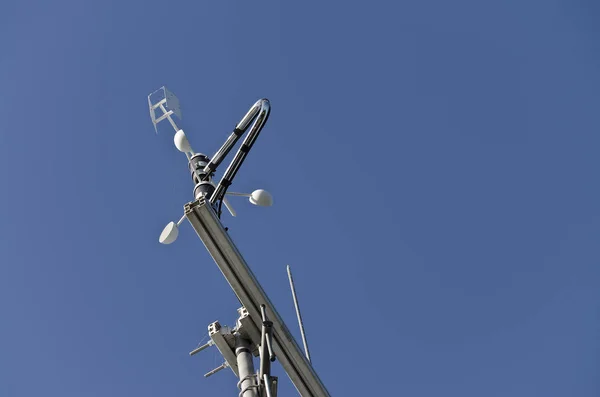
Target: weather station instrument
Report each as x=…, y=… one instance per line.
x=259, y=330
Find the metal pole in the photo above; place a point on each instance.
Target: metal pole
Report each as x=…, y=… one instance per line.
x=298, y=312
x=247, y=383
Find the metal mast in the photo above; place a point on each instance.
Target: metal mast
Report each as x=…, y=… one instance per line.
x=259, y=330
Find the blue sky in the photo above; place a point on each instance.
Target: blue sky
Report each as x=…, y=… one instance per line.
x=434, y=166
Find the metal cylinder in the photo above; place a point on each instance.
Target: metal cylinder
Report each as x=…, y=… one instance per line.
x=196, y=166
x=204, y=189
x=247, y=383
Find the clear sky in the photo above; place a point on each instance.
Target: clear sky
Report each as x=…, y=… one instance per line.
x=434, y=166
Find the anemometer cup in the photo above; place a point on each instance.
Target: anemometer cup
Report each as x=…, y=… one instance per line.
x=261, y=197
x=169, y=233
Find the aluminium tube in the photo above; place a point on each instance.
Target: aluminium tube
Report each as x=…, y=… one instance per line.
x=247, y=384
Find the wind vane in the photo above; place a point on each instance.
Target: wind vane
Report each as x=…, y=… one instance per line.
x=259, y=330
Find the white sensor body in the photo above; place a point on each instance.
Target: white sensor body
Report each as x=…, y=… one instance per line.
x=169, y=233
x=261, y=198
x=181, y=142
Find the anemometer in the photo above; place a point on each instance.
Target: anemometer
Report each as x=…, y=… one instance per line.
x=259, y=330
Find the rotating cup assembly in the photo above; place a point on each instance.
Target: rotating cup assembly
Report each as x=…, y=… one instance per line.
x=202, y=168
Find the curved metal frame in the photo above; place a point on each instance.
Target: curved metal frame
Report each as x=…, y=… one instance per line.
x=257, y=115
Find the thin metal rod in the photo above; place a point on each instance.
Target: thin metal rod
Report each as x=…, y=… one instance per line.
x=269, y=341
x=267, y=380
x=265, y=363
x=267, y=329
x=173, y=123
x=214, y=371
x=168, y=114
x=199, y=349
x=229, y=207
x=263, y=312
x=300, y=323
x=181, y=220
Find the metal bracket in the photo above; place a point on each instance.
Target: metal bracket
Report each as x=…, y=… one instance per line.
x=224, y=339
x=248, y=329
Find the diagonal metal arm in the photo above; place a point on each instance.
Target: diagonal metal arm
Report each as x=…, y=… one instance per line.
x=251, y=295
x=255, y=119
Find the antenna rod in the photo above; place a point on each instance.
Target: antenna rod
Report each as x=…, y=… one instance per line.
x=199, y=349
x=214, y=371
x=298, y=312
